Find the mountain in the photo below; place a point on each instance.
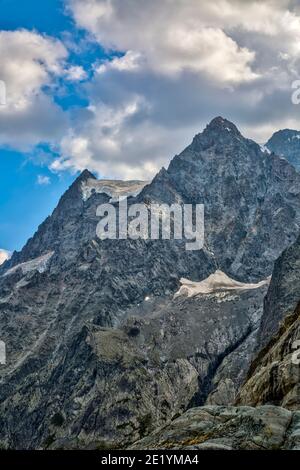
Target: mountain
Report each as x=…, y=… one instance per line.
x=251, y=199
x=115, y=385
x=286, y=143
x=99, y=352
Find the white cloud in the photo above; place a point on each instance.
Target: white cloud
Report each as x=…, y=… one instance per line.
x=131, y=61
x=76, y=73
x=153, y=26
x=110, y=144
x=4, y=255
x=175, y=65
x=179, y=64
x=172, y=36
x=43, y=180
x=29, y=62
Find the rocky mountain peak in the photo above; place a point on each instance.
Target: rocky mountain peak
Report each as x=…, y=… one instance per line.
x=84, y=176
x=286, y=143
x=218, y=132
x=220, y=124
x=75, y=190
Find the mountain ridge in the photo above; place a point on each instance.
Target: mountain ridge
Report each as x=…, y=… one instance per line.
x=96, y=327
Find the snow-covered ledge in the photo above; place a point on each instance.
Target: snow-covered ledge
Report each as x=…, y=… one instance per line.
x=218, y=281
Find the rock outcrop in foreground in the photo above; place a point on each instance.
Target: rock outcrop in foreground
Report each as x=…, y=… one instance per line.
x=229, y=428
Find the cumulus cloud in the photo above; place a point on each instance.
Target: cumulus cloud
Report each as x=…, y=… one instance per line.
x=174, y=65
x=4, y=255
x=131, y=61
x=171, y=36
x=29, y=63
x=178, y=64
x=117, y=141
x=75, y=73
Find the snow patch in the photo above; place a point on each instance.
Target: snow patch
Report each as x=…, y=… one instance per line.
x=37, y=264
x=265, y=149
x=216, y=282
x=116, y=189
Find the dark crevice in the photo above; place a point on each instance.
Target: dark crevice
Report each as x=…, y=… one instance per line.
x=205, y=386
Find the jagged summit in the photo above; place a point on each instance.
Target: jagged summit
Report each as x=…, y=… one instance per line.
x=220, y=124
x=73, y=196
x=84, y=176
x=219, y=131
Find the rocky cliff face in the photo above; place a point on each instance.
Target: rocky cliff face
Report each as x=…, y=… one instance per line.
x=274, y=375
x=286, y=143
x=98, y=350
x=110, y=386
x=283, y=295
x=267, y=415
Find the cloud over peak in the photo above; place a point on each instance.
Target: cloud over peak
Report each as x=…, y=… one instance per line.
x=169, y=67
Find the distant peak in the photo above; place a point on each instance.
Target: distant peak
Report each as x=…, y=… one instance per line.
x=76, y=187
x=218, y=131
x=85, y=175
x=221, y=124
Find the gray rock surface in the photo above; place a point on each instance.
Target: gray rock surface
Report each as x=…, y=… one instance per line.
x=99, y=386
x=274, y=375
x=283, y=295
x=252, y=199
x=286, y=143
x=228, y=428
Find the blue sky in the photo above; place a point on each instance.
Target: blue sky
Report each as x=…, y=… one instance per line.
x=120, y=86
x=24, y=203
x=46, y=16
